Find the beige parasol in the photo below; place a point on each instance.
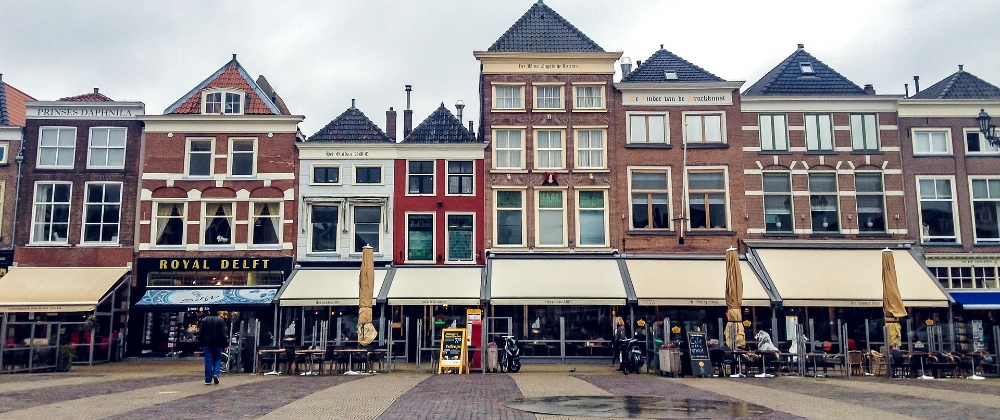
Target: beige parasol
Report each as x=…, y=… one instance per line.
x=366, y=331
x=892, y=302
x=734, y=300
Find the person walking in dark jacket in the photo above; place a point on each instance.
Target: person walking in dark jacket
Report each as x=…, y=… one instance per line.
x=212, y=335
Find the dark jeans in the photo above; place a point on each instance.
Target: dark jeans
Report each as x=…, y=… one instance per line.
x=213, y=362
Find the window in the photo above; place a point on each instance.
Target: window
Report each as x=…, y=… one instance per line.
x=223, y=103
x=549, y=147
x=56, y=146
x=420, y=237
x=323, y=224
x=590, y=97
x=548, y=97
x=201, y=157
x=819, y=132
x=551, y=218
x=773, y=133
x=703, y=128
x=508, y=149
x=460, y=178
x=806, y=68
x=460, y=237
x=242, y=157
x=986, y=208
x=778, y=202
x=266, y=223
x=510, y=218
x=107, y=148
x=590, y=149
x=647, y=128
x=650, y=198
x=824, y=203
x=592, y=214
x=707, y=200
x=218, y=224
x=50, y=223
x=870, y=194
x=937, y=210
x=420, y=177
x=508, y=97
x=169, y=223
x=367, y=227
x=4, y=146
x=326, y=174
x=926, y=142
x=101, y=212
x=367, y=174
x=975, y=142
x=864, y=132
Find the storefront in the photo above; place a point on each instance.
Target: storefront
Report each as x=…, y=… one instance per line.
x=972, y=280
x=177, y=292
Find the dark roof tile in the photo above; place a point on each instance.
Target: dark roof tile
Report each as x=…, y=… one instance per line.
x=440, y=127
x=961, y=85
x=788, y=79
x=542, y=30
x=88, y=97
x=653, y=70
x=352, y=126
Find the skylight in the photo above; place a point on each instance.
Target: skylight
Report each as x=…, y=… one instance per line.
x=670, y=74
x=806, y=67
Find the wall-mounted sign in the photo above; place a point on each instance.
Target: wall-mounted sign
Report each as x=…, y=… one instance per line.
x=667, y=97
x=358, y=152
x=84, y=110
x=215, y=264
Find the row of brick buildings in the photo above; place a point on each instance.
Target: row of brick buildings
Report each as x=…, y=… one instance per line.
x=219, y=199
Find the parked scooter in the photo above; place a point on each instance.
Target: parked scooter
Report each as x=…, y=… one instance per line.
x=631, y=353
x=510, y=357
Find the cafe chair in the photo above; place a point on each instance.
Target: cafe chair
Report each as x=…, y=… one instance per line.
x=877, y=363
x=720, y=361
x=297, y=359
x=376, y=357
x=946, y=364
x=855, y=362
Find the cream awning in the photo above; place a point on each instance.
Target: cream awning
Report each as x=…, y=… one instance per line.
x=556, y=282
x=57, y=289
x=846, y=277
x=325, y=287
x=690, y=283
x=435, y=286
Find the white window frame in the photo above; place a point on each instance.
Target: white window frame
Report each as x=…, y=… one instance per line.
x=577, y=98
x=203, y=223
x=59, y=149
x=973, y=200
x=645, y=116
x=701, y=116
x=789, y=194
x=231, y=155
x=222, y=104
x=86, y=202
x=524, y=216
x=984, y=146
x=447, y=239
x=771, y=121
x=106, y=149
x=519, y=87
x=605, y=210
x=433, y=176
x=447, y=169
x=561, y=150
x=34, y=212
x=578, y=150
x=562, y=96
x=154, y=223
x=253, y=218
x=864, y=130
x=381, y=227
x=406, y=237
x=687, y=201
x=666, y=170
x=857, y=194
x=954, y=208
x=915, y=131
x=564, y=209
x=312, y=174
x=354, y=175
x=496, y=148
x=187, y=157
x=336, y=228
x=819, y=129
x=835, y=193
x=4, y=151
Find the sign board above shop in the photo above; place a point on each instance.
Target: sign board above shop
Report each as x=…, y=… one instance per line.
x=677, y=97
x=283, y=264
x=58, y=110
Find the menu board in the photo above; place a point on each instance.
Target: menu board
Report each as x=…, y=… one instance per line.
x=453, y=350
x=701, y=366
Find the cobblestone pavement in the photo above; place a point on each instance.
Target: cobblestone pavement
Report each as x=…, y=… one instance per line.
x=173, y=389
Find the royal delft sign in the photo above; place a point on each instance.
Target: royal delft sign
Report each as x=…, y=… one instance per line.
x=677, y=98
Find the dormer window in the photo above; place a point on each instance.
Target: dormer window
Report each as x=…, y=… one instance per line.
x=670, y=74
x=806, y=67
x=227, y=102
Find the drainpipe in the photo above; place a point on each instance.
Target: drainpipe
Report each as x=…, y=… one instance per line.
x=17, y=192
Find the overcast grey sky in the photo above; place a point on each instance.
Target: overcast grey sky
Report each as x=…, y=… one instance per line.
x=320, y=54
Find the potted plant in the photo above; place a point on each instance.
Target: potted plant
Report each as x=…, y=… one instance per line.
x=65, y=357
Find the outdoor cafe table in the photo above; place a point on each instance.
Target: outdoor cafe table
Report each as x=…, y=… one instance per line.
x=260, y=360
x=763, y=362
x=739, y=362
x=350, y=359
x=312, y=359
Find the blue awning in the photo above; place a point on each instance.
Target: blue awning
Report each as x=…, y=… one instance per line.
x=207, y=297
x=977, y=300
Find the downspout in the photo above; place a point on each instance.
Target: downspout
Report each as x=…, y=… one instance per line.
x=17, y=192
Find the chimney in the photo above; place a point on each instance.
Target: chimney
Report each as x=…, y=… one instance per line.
x=961, y=67
x=869, y=89
x=390, y=123
x=802, y=46
x=906, y=88
x=1, y=77
x=916, y=84
x=407, y=114
x=471, y=131
x=638, y=63
x=234, y=57
x=95, y=91
x=460, y=105
x=626, y=65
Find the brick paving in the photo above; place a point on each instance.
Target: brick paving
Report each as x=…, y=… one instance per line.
x=469, y=397
x=363, y=399
x=18, y=400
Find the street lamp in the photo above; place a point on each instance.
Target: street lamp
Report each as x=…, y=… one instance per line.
x=987, y=128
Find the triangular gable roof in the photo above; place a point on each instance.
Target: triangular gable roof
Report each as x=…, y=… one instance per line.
x=542, y=30
x=12, y=109
x=232, y=75
x=653, y=70
x=787, y=78
x=352, y=126
x=88, y=97
x=960, y=85
x=440, y=127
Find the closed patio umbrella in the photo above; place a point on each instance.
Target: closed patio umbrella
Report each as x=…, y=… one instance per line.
x=892, y=302
x=735, y=337
x=366, y=331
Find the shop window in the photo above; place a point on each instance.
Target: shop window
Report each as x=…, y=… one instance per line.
x=169, y=224
x=650, y=198
x=589, y=97
x=107, y=148
x=548, y=97
x=703, y=128
x=56, y=146
x=326, y=175
x=50, y=223
x=870, y=193
x=549, y=149
x=931, y=142
x=551, y=218
x=773, y=133
x=213, y=278
x=200, y=157
x=647, y=128
x=420, y=177
x=590, y=149
x=824, y=203
x=509, y=149
x=460, y=237
x=937, y=210
x=592, y=212
x=266, y=223
x=707, y=199
x=218, y=224
x=986, y=209
x=975, y=143
x=509, y=218
x=367, y=174
x=102, y=210
x=367, y=227
x=986, y=277
x=778, y=203
x=864, y=132
x=460, y=178
x=323, y=221
x=420, y=237
x=819, y=132
x=508, y=97
x=242, y=157
x=961, y=277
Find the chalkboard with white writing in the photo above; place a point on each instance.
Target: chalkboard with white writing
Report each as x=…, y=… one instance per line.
x=701, y=366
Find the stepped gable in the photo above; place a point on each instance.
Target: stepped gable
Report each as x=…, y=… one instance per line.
x=788, y=78
x=12, y=110
x=542, y=30
x=960, y=85
x=351, y=127
x=653, y=70
x=440, y=127
x=231, y=75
